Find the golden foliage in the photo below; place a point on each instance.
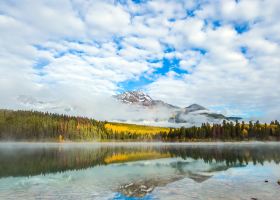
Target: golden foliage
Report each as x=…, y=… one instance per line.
x=136, y=129
x=244, y=132
x=60, y=138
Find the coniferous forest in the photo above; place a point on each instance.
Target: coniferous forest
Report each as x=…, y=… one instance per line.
x=39, y=126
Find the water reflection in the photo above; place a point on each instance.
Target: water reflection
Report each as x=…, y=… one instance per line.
x=122, y=170
x=18, y=160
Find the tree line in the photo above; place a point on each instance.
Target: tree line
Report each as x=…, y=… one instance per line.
x=228, y=131
x=34, y=125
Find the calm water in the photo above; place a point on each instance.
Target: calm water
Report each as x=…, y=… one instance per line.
x=139, y=171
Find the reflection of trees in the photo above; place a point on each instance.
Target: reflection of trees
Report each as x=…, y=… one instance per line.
x=231, y=155
x=33, y=161
x=23, y=162
x=134, y=156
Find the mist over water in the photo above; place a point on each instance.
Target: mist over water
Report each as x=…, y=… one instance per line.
x=141, y=171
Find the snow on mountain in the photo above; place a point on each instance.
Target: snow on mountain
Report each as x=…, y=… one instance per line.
x=142, y=99
x=135, y=97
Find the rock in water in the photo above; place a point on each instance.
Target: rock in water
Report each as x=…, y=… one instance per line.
x=278, y=182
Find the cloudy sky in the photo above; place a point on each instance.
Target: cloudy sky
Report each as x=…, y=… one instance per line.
x=224, y=55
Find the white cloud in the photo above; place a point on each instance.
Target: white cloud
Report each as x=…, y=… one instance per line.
x=105, y=19
x=144, y=43
x=46, y=17
x=189, y=59
x=72, y=51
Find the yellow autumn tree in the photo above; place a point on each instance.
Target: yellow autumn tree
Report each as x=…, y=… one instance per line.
x=136, y=129
x=244, y=132
x=60, y=138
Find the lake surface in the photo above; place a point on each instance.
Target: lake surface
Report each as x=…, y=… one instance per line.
x=140, y=171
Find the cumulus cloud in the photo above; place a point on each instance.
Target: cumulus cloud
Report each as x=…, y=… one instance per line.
x=221, y=54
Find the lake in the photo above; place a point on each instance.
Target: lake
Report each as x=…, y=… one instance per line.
x=140, y=171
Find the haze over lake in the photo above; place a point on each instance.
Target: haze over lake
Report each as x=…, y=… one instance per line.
x=139, y=170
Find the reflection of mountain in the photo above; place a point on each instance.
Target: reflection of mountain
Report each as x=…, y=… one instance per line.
x=199, y=178
x=166, y=171
x=143, y=187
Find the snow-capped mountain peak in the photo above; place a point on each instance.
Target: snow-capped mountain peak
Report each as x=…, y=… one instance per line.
x=135, y=97
x=142, y=99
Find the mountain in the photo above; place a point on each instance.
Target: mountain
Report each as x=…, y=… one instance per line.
x=198, y=114
x=135, y=97
x=194, y=114
x=141, y=99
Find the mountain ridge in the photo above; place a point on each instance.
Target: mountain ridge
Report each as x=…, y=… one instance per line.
x=192, y=114
x=142, y=99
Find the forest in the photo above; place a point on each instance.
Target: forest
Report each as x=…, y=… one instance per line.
x=40, y=126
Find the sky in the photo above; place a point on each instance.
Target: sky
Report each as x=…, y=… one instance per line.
x=70, y=54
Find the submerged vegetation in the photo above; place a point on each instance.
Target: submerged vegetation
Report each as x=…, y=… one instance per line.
x=33, y=125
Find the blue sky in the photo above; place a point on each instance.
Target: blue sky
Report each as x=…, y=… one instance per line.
x=223, y=55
